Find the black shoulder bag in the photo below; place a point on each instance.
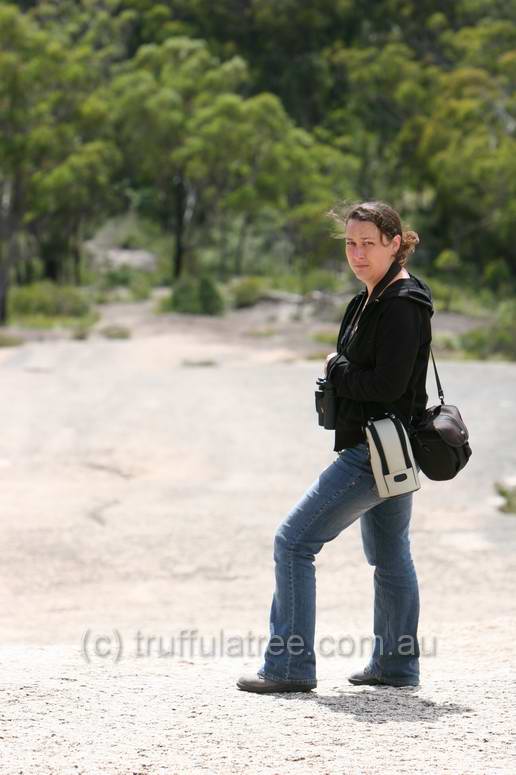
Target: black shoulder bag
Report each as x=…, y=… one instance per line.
x=439, y=439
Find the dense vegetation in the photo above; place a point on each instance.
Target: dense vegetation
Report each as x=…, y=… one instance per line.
x=231, y=127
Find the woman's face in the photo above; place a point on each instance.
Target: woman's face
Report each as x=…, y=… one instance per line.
x=368, y=252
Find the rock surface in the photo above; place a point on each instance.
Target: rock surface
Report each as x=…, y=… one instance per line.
x=139, y=500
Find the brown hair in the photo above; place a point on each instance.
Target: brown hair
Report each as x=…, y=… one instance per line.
x=382, y=215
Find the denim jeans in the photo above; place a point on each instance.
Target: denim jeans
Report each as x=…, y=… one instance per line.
x=342, y=493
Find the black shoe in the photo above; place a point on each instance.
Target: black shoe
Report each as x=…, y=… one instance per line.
x=254, y=682
x=367, y=678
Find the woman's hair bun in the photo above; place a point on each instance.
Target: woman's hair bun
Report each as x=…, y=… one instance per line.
x=409, y=241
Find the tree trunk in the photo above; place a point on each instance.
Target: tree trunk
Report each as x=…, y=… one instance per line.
x=8, y=259
x=224, y=250
x=10, y=218
x=76, y=254
x=3, y=292
x=51, y=253
x=180, y=203
x=239, y=255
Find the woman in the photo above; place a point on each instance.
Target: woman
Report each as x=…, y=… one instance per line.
x=383, y=348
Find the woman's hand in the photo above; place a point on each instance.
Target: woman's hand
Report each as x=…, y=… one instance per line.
x=328, y=359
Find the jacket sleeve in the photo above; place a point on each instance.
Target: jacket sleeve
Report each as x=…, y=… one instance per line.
x=396, y=347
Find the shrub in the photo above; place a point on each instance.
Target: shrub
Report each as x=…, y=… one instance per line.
x=80, y=332
x=211, y=300
x=115, y=332
x=10, y=340
x=140, y=286
x=248, y=291
x=509, y=493
x=117, y=276
x=497, y=275
x=319, y=280
x=325, y=337
x=499, y=339
x=194, y=296
x=131, y=241
x=138, y=281
x=185, y=296
x=448, y=261
x=443, y=295
x=286, y=282
x=45, y=298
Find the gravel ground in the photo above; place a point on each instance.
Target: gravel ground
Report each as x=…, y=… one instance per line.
x=140, y=496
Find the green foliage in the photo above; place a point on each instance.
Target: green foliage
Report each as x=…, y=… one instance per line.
x=286, y=282
x=497, y=340
x=45, y=298
x=81, y=332
x=319, y=280
x=195, y=296
x=185, y=296
x=448, y=261
x=140, y=286
x=509, y=493
x=325, y=337
x=455, y=296
x=233, y=133
x=138, y=282
x=115, y=332
x=211, y=300
x=10, y=340
x=497, y=276
x=248, y=291
x=117, y=276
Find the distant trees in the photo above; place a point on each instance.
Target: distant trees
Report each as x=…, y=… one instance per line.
x=234, y=126
x=56, y=161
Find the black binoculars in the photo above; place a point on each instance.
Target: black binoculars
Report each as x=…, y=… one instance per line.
x=326, y=403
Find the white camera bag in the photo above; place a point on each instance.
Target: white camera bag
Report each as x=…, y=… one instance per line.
x=392, y=459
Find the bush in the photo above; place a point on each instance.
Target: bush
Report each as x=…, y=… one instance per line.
x=117, y=276
x=499, y=339
x=131, y=241
x=286, y=282
x=319, y=280
x=248, y=291
x=140, y=286
x=325, y=337
x=80, y=332
x=138, y=281
x=448, y=261
x=210, y=298
x=454, y=297
x=185, y=296
x=194, y=296
x=10, y=340
x=509, y=493
x=47, y=299
x=115, y=332
x=497, y=276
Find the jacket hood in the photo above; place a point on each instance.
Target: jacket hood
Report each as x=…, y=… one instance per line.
x=413, y=288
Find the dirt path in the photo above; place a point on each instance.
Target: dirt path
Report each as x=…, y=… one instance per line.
x=139, y=500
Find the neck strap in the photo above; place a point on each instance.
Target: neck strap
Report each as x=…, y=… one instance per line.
x=394, y=269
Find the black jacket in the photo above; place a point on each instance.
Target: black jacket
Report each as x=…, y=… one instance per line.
x=383, y=365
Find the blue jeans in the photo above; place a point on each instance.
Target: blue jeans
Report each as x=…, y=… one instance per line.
x=342, y=493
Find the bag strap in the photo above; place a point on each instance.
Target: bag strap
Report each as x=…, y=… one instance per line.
x=438, y=381
x=403, y=441
x=379, y=448
x=398, y=425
